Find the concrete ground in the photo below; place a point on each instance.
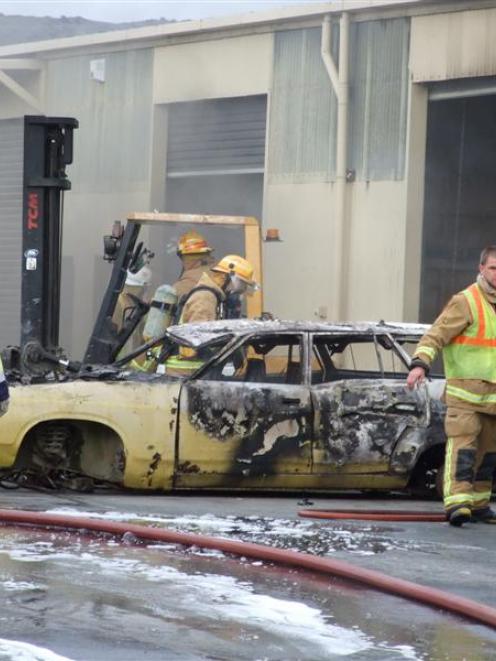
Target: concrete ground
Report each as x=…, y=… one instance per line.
x=458, y=560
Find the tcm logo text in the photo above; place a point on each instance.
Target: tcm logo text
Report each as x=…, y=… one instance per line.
x=33, y=211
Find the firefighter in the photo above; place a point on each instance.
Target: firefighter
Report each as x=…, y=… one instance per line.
x=195, y=255
x=465, y=331
x=135, y=285
x=4, y=391
x=196, y=258
x=206, y=302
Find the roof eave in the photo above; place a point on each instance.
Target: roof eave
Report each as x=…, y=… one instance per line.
x=252, y=19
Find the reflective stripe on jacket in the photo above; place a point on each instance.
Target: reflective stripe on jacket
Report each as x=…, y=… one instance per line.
x=475, y=393
x=183, y=364
x=204, y=303
x=472, y=353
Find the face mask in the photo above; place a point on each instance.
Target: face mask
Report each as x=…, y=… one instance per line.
x=236, y=285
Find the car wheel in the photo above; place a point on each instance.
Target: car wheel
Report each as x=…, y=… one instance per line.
x=427, y=482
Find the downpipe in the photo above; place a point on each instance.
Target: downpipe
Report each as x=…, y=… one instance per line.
x=330, y=567
x=340, y=83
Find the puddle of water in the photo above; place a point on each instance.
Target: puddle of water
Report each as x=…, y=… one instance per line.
x=93, y=598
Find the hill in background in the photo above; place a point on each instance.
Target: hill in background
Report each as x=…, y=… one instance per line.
x=20, y=29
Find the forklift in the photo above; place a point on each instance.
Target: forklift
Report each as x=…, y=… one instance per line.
x=107, y=339
x=48, y=150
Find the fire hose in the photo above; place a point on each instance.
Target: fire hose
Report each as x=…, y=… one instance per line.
x=338, y=568
x=374, y=515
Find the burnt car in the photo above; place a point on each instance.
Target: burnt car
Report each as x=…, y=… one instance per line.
x=277, y=406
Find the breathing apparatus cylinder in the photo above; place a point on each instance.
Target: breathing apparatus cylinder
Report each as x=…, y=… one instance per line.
x=161, y=313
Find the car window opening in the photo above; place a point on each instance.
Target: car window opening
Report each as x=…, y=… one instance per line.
x=357, y=357
x=379, y=357
x=271, y=359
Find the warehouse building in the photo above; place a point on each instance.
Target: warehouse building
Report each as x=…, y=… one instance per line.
x=362, y=131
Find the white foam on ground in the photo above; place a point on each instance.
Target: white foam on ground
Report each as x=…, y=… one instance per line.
x=14, y=650
x=211, y=598
x=18, y=586
x=251, y=525
x=233, y=527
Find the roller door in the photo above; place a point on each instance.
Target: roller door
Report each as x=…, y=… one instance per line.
x=11, y=176
x=219, y=136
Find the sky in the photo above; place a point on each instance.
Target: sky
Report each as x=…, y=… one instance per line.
x=117, y=11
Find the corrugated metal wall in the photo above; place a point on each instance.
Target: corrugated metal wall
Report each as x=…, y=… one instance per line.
x=217, y=136
x=112, y=144
x=379, y=95
x=453, y=45
x=303, y=111
x=303, y=106
x=11, y=173
x=110, y=175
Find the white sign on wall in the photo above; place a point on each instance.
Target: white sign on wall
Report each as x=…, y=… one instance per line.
x=97, y=70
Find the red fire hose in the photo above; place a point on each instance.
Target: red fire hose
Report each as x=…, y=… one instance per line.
x=369, y=578
x=374, y=515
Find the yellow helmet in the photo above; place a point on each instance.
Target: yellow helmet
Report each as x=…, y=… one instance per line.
x=236, y=265
x=192, y=243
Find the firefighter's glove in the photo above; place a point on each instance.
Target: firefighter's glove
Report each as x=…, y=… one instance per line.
x=418, y=362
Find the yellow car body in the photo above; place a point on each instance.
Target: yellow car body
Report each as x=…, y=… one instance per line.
x=268, y=411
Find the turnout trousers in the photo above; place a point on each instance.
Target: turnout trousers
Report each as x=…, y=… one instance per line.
x=470, y=458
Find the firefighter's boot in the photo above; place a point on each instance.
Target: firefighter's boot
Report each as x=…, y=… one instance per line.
x=459, y=515
x=485, y=515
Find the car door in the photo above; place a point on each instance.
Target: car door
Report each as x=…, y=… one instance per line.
x=362, y=406
x=246, y=420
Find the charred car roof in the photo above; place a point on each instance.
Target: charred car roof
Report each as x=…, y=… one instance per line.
x=202, y=334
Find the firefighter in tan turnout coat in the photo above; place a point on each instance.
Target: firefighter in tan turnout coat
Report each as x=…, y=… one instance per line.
x=465, y=332
x=205, y=302
x=196, y=259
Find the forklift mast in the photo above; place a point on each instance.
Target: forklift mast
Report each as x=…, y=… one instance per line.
x=106, y=340
x=48, y=149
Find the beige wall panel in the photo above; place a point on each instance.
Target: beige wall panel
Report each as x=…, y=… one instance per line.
x=456, y=45
x=112, y=146
x=87, y=218
x=297, y=270
x=376, y=258
x=110, y=174
x=415, y=159
x=206, y=70
x=14, y=108
x=12, y=105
